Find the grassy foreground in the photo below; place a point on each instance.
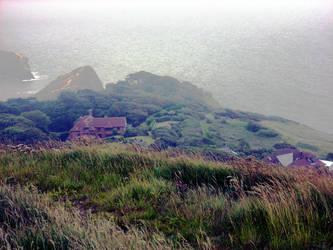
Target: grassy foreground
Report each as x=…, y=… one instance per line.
x=113, y=196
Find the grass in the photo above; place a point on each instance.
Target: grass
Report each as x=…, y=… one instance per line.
x=30, y=221
x=303, y=137
x=73, y=196
x=147, y=139
x=165, y=124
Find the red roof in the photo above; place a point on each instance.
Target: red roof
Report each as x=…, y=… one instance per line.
x=299, y=158
x=92, y=122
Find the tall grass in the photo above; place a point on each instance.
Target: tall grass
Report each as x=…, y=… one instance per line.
x=166, y=199
x=29, y=221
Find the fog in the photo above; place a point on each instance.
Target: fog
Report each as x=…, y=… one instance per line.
x=271, y=57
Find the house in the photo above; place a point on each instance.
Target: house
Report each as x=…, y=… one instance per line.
x=293, y=157
x=328, y=164
x=97, y=127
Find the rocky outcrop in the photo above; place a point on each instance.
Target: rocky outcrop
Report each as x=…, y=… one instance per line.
x=14, y=66
x=79, y=79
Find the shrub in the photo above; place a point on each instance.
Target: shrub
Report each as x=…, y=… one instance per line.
x=329, y=157
x=41, y=120
x=307, y=146
x=267, y=133
x=253, y=127
x=30, y=222
x=283, y=145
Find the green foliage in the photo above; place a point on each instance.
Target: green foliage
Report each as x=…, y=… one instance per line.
x=283, y=145
x=307, y=146
x=30, y=222
x=146, y=100
x=8, y=120
x=166, y=89
x=243, y=146
x=329, y=157
x=253, y=127
x=23, y=135
x=168, y=136
x=267, y=133
x=141, y=130
x=4, y=108
x=41, y=120
x=188, y=201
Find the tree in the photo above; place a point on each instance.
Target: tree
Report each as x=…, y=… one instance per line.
x=253, y=127
x=4, y=108
x=41, y=120
x=23, y=135
x=329, y=157
x=244, y=146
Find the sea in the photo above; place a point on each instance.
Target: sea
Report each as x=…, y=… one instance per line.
x=270, y=57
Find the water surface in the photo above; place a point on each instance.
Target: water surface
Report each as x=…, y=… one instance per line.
x=274, y=58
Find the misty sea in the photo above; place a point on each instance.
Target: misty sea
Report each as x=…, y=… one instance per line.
x=274, y=58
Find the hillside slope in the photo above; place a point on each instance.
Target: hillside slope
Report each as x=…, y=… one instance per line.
x=159, y=200
x=303, y=137
x=160, y=110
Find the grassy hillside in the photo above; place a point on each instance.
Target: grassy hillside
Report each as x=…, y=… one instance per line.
x=119, y=196
x=160, y=111
x=302, y=136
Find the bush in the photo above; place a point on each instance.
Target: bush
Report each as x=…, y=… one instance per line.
x=7, y=120
x=253, y=127
x=329, y=157
x=137, y=131
x=267, y=133
x=41, y=120
x=24, y=135
x=163, y=119
x=283, y=145
x=307, y=146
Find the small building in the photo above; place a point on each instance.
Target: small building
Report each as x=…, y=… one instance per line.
x=328, y=164
x=98, y=127
x=293, y=157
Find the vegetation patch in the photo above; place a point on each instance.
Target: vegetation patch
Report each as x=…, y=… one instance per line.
x=167, y=199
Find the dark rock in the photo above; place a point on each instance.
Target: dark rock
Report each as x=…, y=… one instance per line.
x=79, y=79
x=14, y=66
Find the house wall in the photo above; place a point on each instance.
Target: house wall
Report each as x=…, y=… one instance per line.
x=97, y=132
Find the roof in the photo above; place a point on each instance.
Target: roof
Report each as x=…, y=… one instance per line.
x=105, y=122
x=328, y=164
x=293, y=157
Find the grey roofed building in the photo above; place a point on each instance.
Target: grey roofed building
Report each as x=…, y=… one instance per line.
x=293, y=157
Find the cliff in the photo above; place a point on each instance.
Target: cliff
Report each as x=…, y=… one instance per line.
x=14, y=66
x=79, y=79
